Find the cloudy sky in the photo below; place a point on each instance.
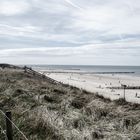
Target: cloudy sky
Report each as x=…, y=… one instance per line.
x=87, y=32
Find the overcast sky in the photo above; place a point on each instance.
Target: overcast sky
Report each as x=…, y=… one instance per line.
x=87, y=32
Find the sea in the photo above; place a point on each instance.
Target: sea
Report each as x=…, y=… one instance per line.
x=131, y=70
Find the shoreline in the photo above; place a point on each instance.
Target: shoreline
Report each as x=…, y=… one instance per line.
x=83, y=72
x=134, y=74
x=103, y=84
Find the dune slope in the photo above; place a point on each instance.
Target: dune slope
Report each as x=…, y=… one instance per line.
x=46, y=111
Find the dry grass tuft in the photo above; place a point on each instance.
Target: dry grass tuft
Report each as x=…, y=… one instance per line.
x=79, y=102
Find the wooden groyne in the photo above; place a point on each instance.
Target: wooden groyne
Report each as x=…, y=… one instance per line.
x=81, y=72
x=127, y=87
x=29, y=71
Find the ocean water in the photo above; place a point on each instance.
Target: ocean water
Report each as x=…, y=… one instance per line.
x=90, y=69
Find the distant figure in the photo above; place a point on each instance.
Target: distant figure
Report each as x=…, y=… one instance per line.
x=136, y=94
x=43, y=76
x=117, y=94
x=112, y=90
x=25, y=69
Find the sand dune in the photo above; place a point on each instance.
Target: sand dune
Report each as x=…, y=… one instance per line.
x=45, y=110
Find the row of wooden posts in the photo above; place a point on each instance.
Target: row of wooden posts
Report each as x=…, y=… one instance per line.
x=35, y=73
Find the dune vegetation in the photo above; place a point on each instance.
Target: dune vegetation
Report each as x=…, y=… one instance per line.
x=43, y=110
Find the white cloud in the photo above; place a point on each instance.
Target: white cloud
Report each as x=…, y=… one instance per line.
x=109, y=17
x=82, y=51
x=73, y=4
x=13, y=7
x=84, y=30
x=18, y=30
x=88, y=54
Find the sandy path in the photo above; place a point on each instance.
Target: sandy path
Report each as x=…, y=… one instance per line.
x=100, y=82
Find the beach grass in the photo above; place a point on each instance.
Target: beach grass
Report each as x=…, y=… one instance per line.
x=43, y=110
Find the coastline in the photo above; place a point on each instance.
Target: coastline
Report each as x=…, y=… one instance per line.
x=101, y=83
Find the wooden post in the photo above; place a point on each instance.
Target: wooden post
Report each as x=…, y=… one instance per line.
x=124, y=92
x=124, y=86
x=9, y=132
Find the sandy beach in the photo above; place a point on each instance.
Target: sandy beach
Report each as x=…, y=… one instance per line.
x=102, y=84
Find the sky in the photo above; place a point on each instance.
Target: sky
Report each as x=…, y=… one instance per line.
x=70, y=32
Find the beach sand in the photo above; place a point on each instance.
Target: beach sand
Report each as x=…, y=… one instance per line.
x=102, y=83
